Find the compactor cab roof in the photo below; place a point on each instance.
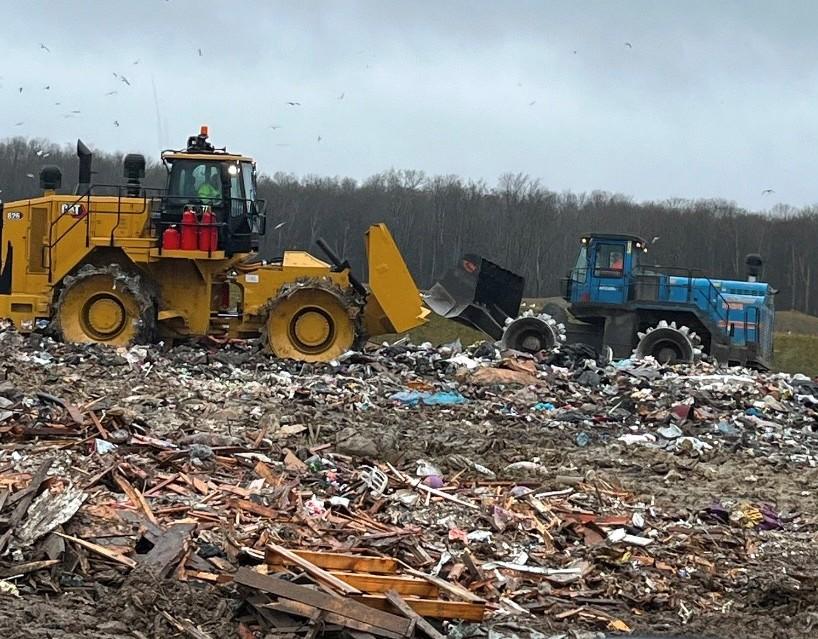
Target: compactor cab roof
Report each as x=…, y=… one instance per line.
x=200, y=148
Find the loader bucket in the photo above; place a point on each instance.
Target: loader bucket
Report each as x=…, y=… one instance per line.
x=394, y=304
x=478, y=293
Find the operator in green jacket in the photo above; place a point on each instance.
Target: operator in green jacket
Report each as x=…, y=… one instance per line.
x=210, y=189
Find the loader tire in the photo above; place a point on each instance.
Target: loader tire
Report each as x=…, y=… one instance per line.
x=313, y=320
x=104, y=305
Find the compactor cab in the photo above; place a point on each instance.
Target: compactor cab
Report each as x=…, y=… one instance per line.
x=202, y=177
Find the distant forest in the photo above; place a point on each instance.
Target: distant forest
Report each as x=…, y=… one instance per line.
x=518, y=223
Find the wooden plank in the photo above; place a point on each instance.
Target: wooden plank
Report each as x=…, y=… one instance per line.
x=331, y=603
x=298, y=609
x=434, y=608
x=31, y=492
x=253, y=507
x=342, y=561
x=370, y=583
x=136, y=498
x=32, y=566
x=168, y=549
x=264, y=471
x=396, y=600
x=453, y=589
x=314, y=571
x=100, y=550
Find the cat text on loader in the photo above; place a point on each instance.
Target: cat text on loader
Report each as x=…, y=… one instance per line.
x=126, y=264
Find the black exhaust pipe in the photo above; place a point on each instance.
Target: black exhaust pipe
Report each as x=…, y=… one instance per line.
x=85, y=156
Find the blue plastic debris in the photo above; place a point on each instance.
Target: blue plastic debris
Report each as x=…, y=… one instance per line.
x=753, y=412
x=582, y=439
x=440, y=398
x=543, y=406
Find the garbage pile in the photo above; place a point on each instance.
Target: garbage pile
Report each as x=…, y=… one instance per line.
x=211, y=490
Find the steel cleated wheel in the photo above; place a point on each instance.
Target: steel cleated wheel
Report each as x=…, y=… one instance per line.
x=532, y=333
x=669, y=344
x=312, y=321
x=104, y=305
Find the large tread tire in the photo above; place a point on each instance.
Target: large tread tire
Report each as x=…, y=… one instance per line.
x=105, y=305
x=313, y=320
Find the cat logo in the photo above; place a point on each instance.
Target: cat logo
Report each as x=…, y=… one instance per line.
x=74, y=210
x=14, y=216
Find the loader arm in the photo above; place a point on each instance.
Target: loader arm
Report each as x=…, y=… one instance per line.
x=394, y=304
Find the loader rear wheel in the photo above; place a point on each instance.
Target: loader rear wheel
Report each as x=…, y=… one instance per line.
x=104, y=305
x=311, y=323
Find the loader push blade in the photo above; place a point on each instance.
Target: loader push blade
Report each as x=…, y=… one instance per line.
x=479, y=294
x=394, y=304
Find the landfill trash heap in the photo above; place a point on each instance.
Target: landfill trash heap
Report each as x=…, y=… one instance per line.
x=398, y=491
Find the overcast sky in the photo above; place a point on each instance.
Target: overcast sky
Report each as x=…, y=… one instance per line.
x=711, y=99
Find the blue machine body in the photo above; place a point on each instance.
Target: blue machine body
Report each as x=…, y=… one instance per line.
x=610, y=278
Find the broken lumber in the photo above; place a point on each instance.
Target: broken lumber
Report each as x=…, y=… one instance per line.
x=299, y=609
x=166, y=552
x=453, y=589
x=315, y=571
x=100, y=550
x=395, y=599
x=341, y=561
x=433, y=608
x=322, y=600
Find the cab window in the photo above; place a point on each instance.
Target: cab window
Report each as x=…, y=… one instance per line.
x=610, y=260
x=580, y=272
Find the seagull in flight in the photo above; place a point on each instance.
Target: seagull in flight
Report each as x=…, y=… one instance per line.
x=125, y=80
x=341, y=97
x=200, y=53
x=532, y=103
x=278, y=226
x=45, y=48
x=274, y=126
x=294, y=103
x=318, y=139
x=20, y=124
x=767, y=191
x=111, y=93
x=629, y=45
x=116, y=123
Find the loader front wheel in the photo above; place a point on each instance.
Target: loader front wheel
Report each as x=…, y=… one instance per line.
x=311, y=324
x=104, y=305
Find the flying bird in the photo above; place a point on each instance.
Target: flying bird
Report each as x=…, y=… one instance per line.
x=47, y=87
x=125, y=80
x=532, y=103
x=274, y=126
x=655, y=239
x=318, y=139
x=200, y=53
x=116, y=122
x=111, y=93
x=341, y=97
x=278, y=226
x=575, y=51
x=116, y=75
x=30, y=175
x=76, y=111
x=20, y=124
x=294, y=103
x=766, y=191
x=45, y=48
x=20, y=90
x=629, y=45
x=136, y=61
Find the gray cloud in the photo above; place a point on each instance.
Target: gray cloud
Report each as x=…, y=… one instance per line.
x=712, y=100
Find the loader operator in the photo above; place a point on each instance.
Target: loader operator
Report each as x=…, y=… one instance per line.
x=209, y=190
x=616, y=262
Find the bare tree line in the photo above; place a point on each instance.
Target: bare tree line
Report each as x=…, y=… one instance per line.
x=518, y=223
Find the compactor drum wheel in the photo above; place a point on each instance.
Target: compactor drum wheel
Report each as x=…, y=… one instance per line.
x=669, y=344
x=104, y=305
x=311, y=323
x=532, y=333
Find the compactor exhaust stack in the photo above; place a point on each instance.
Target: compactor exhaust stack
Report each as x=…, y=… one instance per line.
x=85, y=156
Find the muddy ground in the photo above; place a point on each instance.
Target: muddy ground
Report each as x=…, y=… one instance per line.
x=773, y=574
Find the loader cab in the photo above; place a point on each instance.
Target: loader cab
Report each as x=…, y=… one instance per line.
x=603, y=270
x=202, y=176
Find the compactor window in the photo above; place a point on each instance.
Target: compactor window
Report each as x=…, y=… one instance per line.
x=195, y=180
x=610, y=260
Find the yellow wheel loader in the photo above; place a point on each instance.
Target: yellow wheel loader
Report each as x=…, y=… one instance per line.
x=126, y=264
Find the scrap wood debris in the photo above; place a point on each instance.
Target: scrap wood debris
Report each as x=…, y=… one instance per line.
x=397, y=493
